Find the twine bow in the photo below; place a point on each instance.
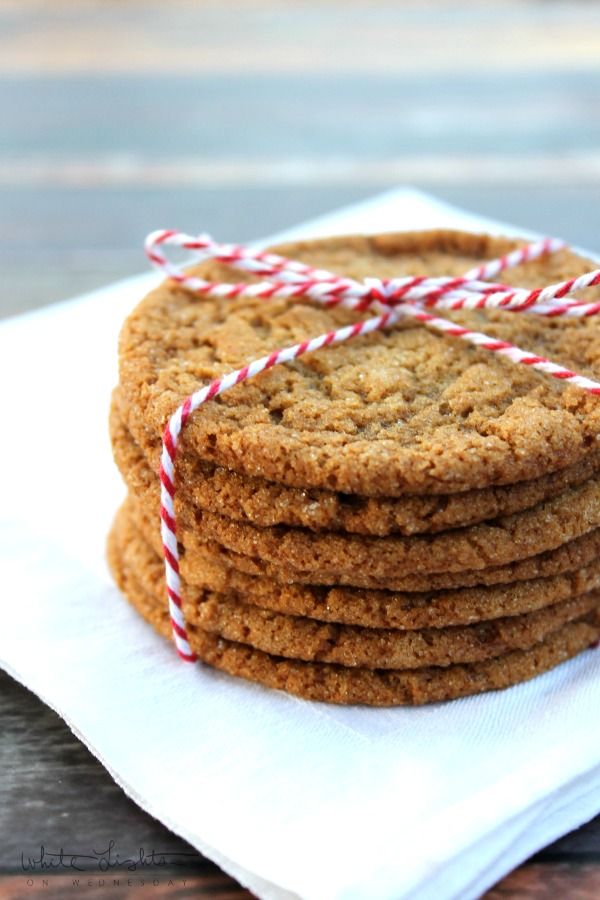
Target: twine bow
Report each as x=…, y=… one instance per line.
x=390, y=298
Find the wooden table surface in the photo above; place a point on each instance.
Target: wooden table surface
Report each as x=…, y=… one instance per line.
x=241, y=119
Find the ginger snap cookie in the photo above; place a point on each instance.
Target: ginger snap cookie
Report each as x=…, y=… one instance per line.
x=342, y=684
x=402, y=411
x=330, y=555
x=301, y=637
x=402, y=518
x=569, y=557
x=364, y=561
x=355, y=606
x=333, y=555
x=306, y=639
x=266, y=503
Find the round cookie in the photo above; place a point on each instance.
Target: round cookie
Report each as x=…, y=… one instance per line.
x=356, y=606
x=364, y=561
x=567, y=558
x=563, y=559
x=402, y=411
x=265, y=503
x=299, y=637
x=374, y=687
x=369, y=561
x=306, y=639
x=337, y=684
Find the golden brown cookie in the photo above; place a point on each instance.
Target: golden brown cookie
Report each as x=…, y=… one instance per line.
x=330, y=557
x=356, y=606
x=366, y=561
x=375, y=687
x=408, y=410
x=369, y=561
x=569, y=557
x=300, y=637
x=265, y=503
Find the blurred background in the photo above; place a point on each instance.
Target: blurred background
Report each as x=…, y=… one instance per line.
x=242, y=118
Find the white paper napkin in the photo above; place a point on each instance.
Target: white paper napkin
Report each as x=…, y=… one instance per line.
x=294, y=799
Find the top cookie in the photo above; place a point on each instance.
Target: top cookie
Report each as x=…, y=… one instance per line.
x=396, y=412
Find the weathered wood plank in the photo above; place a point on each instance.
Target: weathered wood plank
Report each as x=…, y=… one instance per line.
x=58, y=242
x=581, y=845
x=54, y=793
x=549, y=881
x=309, y=116
x=172, y=884
x=247, y=36
x=536, y=881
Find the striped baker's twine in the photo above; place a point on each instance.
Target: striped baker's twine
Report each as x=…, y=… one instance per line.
x=391, y=298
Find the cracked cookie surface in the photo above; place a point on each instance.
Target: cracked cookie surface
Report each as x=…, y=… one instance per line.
x=357, y=685
x=396, y=412
x=367, y=561
x=265, y=503
x=236, y=618
x=356, y=606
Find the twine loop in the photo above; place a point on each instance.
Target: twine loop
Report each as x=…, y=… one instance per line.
x=389, y=298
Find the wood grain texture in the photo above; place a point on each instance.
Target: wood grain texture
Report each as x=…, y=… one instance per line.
x=173, y=885
x=77, y=251
x=53, y=793
x=438, y=36
x=550, y=881
x=133, y=120
x=136, y=135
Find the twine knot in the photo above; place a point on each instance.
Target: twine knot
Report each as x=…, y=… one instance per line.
x=390, y=298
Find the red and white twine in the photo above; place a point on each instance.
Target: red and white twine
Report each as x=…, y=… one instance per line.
x=390, y=298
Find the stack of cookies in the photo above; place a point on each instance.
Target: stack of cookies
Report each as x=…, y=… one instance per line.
x=400, y=519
